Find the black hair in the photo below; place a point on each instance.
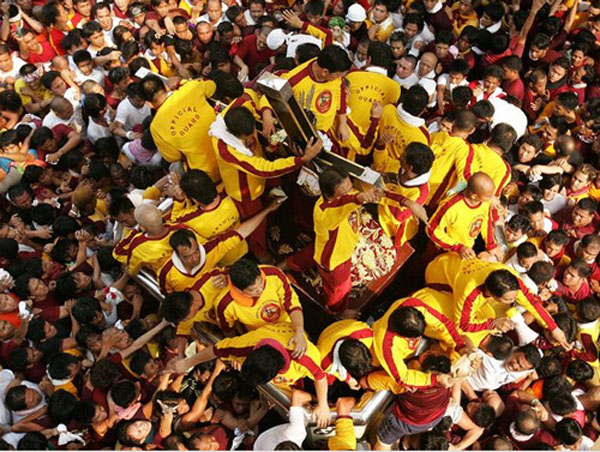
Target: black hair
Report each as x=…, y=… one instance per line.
x=243, y=273
x=379, y=53
x=433, y=441
x=581, y=266
x=415, y=100
x=197, y=185
x=176, y=306
x=568, y=431
x=85, y=411
x=563, y=404
x=33, y=440
x=58, y=367
x=407, y=322
x=334, y=59
x=541, y=272
x=35, y=330
x=62, y=406
x=459, y=66
x=123, y=393
x=484, y=416
x=9, y=249
x=305, y=52
x=85, y=310
x=500, y=347
x=495, y=11
x=436, y=363
x=526, y=250
x=240, y=121
x=226, y=385
x=588, y=310
x=499, y=282
x=531, y=354
x=420, y=157
x=579, y=370
x=519, y=223
x=262, y=365
x=150, y=86
x=549, y=367
x=483, y=109
x=503, y=136
x=104, y=374
x=414, y=18
x=557, y=236
x=329, y=180
x=228, y=86
x=356, y=358
x=139, y=360
x=512, y=62
x=15, y=398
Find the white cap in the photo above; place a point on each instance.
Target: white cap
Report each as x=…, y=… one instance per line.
x=356, y=13
x=276, y=39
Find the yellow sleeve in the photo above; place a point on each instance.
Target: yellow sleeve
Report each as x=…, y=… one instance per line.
x=338, y=210
x=321, y=33
x=345, y=438
x=436, y=231
x=179, y=209
x=164, y=142
x=258, y=166
x=219, y=246
x=382, y=161
x=381, y=381
x=134, y=264
x=152, y=193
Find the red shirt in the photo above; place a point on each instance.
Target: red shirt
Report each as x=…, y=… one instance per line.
x=250, y=55
x=515, y=88
x=47, y=54
x=56, y=37
x=423, y=406
x=570, y=297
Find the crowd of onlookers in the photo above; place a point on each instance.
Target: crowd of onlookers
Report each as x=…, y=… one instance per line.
x=135, y=140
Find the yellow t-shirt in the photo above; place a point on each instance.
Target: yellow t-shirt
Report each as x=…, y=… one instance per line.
x=40, y=92
x=277, y=301
x=277, y=336
x=180, y=127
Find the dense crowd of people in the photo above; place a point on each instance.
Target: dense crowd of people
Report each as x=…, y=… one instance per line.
x=137, y=144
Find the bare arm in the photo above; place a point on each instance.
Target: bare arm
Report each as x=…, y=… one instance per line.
x=143, y=339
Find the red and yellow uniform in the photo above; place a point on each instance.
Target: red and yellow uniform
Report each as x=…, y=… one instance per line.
x=386, y=27
x=392, y=349
x=455, y=224
x=367, y=87
x=460, y=21
x=173, y=276
x=396, y=220
x=594, y=192
x=474, y=312
x=336, y=230
x=137, y=250
x=250, y=100
x=586, y=349
x=322, y=33
x=576, y=196
x=360, y=142
x=180, y=127
x=446, y=149
x=339, y=332
x=244, y=176
x=481, y=158
x=205, y=289
x=345, y=436
x=406, y=129
x=328, y=98
x=277, y=336
x=209, y=223
x=277, y=301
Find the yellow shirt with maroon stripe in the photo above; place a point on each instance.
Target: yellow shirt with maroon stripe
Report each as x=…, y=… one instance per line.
x=474, y=313
x=245, y=176
x=209, y=293
x=277, y=336
x=392, y=349
x=209, y=223
x=180, y=127
x=172, y=278
x=388, y=159
x=250, y=100
x=446, y=149
x=481, y=158
x=138, y=250
x=277, y=301
x=365, y=88
x=328, y=98
x=340, y=331
x=455, y=224
x=396, y=220
x=336, y=230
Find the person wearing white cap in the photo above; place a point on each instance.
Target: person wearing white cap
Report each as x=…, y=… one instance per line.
x=280, y=42
x=191, y=260
x=356, y=20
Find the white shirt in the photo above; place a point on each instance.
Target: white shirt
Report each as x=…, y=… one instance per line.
x=130, y=116
x=492, y=374
x=96, y=131
x=51, y=120
x=408, y=82
x=509, y=114
x=18, y=415
x=108, y=35
x=293, y=41
x=558, y=203
x=97, y=75
x=18, y=63
x=294, y=431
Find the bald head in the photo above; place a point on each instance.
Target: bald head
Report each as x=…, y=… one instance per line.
x=148, y=216
x=527, y=422
x=482, y=186
x=61, y=107
x=427, y=63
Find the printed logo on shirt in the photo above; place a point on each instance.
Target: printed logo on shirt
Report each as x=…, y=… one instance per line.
x=323, y=102
x=270, y=312
x=475, y=227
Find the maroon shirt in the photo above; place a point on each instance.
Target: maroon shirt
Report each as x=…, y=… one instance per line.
x=250, y=55
x=423, y=406
x=515, y=88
